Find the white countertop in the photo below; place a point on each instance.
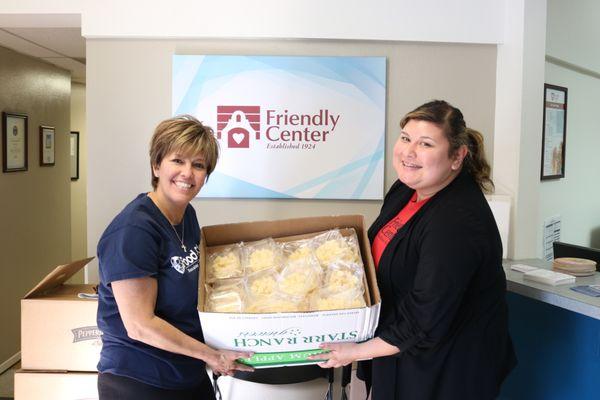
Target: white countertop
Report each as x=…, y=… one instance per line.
x=560, y=296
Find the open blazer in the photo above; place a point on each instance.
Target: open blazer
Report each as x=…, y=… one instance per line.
x=443, y=298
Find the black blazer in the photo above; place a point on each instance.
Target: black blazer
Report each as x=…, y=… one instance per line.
x=443, y=298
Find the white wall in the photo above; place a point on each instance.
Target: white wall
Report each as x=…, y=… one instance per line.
x=576, y=197
x=573, y=33
x=129, y=92
x=573, y=40
x=513, y=24
x=462, y=21
x=520, y=75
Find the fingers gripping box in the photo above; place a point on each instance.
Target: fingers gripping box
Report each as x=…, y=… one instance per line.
x=287, y=338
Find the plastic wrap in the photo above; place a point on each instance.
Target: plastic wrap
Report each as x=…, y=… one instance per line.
x=342, y=277
x=299, y=250
x=326, y=300
x=276, y=303
x=224, y=264
x=300, y=277
x=261, y=255
x=331, y=246
x=262, y=284
x=225, y=296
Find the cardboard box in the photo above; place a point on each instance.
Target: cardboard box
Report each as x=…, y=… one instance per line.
x=58, y=329
x=35, y=385
x=280, y=339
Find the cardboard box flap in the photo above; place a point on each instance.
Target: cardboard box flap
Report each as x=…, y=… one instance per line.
x=250, y=231
x=57, y=277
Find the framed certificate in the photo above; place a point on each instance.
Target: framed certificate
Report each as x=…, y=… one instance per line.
x=554, y=132
x=14, y=142
x=46, y=146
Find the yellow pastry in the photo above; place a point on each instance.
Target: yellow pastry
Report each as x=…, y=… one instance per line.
x=261, y=259
x=225, y=301
x=226, y=265
x=324, y=301
x=300, y=253
x=335, y=250
x=262, y=286
x=341, y=279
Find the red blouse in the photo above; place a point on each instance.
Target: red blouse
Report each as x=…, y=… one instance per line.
x=385, y=234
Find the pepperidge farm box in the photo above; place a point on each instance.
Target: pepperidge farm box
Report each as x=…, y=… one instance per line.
x=58, y=327
x=280, y=339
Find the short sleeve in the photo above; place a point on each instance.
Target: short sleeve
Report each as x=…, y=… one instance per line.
x=128, y=252
x=449, y=255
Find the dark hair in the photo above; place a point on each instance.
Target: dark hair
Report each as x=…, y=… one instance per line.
x=451, y=122
x=186, y=134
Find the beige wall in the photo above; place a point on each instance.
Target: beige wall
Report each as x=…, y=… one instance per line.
x=129, y=91
x=35, y=215
x=78, y=187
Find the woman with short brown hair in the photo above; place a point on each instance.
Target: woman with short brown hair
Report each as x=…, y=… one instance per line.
x=152, y=343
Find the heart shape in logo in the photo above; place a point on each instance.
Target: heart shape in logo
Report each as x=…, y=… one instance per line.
x=177, y=263
x=238, y=137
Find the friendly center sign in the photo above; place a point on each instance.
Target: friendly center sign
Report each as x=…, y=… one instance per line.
x=289, y=127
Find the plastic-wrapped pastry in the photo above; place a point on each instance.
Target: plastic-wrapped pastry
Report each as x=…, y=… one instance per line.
x=262, y=255
x=326, y=300
x=298, y=250
x=300, y=277
x=263, y=283
x=224, y=264
x=332, y=246
x=275, y=304
x=226, y=296
x=341, y=277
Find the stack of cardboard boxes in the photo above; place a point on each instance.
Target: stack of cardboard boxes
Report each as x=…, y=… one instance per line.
x=60, y=342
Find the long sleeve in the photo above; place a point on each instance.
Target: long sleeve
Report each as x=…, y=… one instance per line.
x=448, y=256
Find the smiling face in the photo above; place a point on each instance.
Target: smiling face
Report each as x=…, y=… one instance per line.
x=180, y=178
x=421, y=158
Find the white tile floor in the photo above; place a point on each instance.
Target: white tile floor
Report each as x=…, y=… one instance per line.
x=7, y=381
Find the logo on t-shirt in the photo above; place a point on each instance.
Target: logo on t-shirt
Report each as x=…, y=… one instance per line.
x=186, y=264
x=177, y=263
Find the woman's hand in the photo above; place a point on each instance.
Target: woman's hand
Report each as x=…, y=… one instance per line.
x=339, y=354
x=223, y=362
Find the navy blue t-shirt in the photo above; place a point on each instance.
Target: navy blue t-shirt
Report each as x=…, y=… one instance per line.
x=141, y=242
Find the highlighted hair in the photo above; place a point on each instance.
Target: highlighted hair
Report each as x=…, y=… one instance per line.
x=451, y=122
x=186, y=135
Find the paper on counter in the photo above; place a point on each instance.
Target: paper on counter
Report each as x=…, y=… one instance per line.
x=549, y=277
x=523, y=268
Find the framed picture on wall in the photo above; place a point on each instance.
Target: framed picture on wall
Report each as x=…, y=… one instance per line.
x=14, y=142
x=554, y=132
x=74, y=155
x=46, y=146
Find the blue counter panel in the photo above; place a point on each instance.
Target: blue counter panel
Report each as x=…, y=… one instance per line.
x=558, y=352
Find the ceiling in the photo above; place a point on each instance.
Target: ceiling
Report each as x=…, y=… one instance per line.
x=63, y=47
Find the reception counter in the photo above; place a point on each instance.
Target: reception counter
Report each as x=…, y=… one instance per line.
x=556, y=334
x=560, y=296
